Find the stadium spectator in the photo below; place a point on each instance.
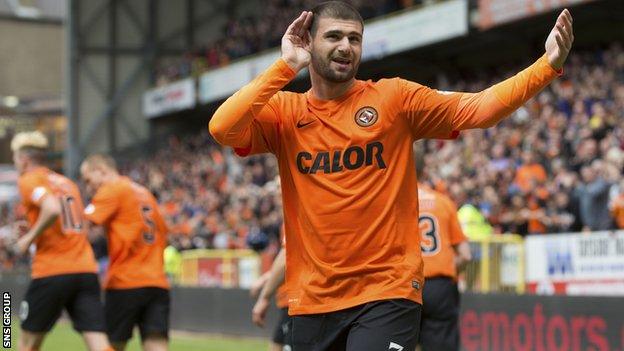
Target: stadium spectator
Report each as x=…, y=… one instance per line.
x=593, y=195
x=617, y=206
x=530, y=174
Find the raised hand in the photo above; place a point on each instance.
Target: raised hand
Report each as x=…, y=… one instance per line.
x=559, y=41
x=296, y=42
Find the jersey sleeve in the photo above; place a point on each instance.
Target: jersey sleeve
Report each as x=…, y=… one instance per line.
x=103, y=206
x=488, y=107
x=248, y=120
x=264, y=131
x=32, y=191
x=429, y=112
x=437, y=114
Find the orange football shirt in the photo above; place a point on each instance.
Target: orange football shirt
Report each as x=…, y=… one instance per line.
x=281, y=296
x=136, y=233
x=63, y=248
x=439, y=232
x=348, y=177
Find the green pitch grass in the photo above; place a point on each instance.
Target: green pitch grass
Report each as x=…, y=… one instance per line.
x=63, y=337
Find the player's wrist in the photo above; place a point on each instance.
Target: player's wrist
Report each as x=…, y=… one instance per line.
x=292, y=64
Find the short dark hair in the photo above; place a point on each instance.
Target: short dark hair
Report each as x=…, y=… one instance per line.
x=334, y=9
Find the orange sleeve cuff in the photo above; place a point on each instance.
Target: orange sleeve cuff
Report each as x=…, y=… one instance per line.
x=283, y=68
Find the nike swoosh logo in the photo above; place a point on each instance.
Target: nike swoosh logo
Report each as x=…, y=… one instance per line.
x=301, y=125
x=395, y=346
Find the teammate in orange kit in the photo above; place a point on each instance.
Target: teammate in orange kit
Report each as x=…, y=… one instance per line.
x=445, y=250
x=272, y=282
x=63, y=266
x=344, y=150
x=137, y=290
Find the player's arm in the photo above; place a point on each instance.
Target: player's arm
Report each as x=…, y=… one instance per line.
x=257, y=286
x=94, y=231
x=231, y=124
x=275, y=279
x=458, y=239
x=101, y=210
x=49, y=210
x=441, y=114
x=487, y=108
x=462, y=255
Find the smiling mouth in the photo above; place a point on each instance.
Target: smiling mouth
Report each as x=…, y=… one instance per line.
x=343, y=64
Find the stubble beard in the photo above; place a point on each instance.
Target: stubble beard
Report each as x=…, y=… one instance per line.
x=322, y=66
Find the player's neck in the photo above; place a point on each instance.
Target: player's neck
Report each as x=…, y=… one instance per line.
x=323, y=89
x=112, y=177
x=31, y=167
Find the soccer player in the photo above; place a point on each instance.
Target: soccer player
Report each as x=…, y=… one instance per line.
x=63, y=266
x=445, y=250
x=344, y=150
x=137, y=290
x=269, y=283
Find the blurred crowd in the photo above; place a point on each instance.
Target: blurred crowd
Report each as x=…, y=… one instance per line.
x=555, y=166
x=243, y=36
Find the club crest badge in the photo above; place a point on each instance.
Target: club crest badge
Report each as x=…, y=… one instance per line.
x=366, y=116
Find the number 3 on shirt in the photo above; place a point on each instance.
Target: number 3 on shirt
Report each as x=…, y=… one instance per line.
x=71, y=216
x=148, y=235
x=430, y=236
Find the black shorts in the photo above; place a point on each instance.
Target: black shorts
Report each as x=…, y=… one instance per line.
x=378, y=325
x=439, y=329
x=46, y=297
x=146, y=307
x=281, y=334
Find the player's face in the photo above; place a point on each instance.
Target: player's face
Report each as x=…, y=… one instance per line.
x=92, y=177
x=337, y=49
x=19, y=160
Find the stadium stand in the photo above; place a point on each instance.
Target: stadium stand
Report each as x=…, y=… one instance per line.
x=246, y=35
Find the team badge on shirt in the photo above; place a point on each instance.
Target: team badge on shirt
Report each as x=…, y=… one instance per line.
x=366, y=116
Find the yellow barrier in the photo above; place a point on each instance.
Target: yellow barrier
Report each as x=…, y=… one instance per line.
x=498, y=265
x=223, y=268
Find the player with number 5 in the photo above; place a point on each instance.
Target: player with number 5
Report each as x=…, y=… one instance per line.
x=137, y=290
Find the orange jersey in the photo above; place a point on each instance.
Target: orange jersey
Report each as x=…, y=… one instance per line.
x=136, y=234
x=526, y=175
x=617, y=211
x=348, y=177
x=281, y=297
x=439, y=232
x=63, y=247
